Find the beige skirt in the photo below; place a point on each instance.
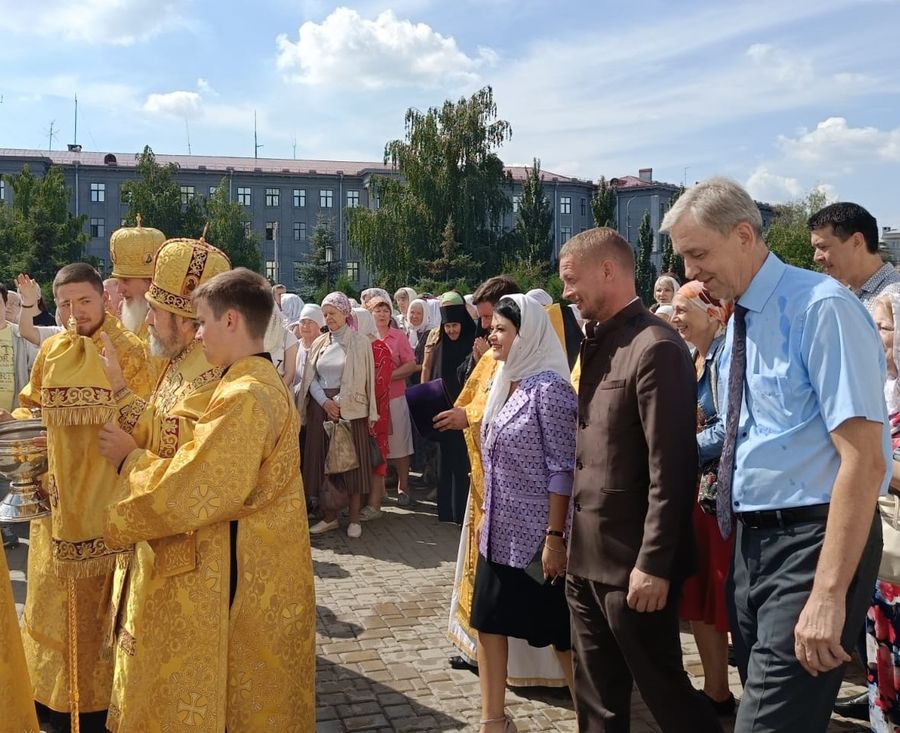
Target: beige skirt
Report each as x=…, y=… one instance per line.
x=357, y=481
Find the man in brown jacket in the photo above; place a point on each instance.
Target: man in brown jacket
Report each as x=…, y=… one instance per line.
x=635, y=483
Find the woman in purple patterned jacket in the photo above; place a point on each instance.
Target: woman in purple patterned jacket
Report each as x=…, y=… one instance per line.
x=528, y=452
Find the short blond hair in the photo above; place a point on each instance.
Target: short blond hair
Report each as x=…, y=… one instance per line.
x=600, y=243
x=719, y=204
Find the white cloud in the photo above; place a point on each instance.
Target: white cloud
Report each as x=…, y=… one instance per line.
x=347, y=50
x=783, y=66
x=178, y=103
x=765, y=185
x=119, y=22
x=835, y=143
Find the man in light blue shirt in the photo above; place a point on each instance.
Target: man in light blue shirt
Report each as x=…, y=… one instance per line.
x=811, y=446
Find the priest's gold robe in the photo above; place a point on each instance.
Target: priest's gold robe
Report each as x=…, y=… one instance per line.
x=17, y=713
x=159, y=425
x=44, y=624
x=248, y=663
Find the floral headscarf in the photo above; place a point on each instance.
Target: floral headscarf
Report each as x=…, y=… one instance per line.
x=696, y=294
x=342, y=303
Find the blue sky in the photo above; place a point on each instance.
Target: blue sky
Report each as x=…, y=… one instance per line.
x=782, y=95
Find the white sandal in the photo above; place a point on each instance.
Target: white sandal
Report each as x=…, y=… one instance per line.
x=510, y=727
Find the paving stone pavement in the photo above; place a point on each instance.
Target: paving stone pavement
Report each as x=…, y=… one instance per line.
x=382, y=608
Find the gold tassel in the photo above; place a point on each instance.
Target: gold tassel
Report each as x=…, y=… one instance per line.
x=72, y=416
x=89, y=568
x=74, y=693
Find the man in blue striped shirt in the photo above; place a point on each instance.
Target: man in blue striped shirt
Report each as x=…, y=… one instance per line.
x=811, y=447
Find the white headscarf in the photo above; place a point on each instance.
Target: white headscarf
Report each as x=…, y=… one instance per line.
x=365, y=323
x=313, y=313
x=432, y=314
x=411, y=295
x=536, y=349
x=291, y=305
x=541, y=296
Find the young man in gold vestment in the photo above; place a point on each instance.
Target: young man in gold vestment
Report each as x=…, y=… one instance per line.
x=78, y=290
x=227, y=636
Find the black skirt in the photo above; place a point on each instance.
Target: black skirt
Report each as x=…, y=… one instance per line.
x=506, y=601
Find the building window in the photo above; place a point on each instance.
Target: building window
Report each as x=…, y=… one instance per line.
x=565, y=204
x=248, y=229
x=517, y=202
x=2, y=190
x=584, y=206
x=352, y=199
x=299, y=198
x=122, y=222
x=299, y=231
x=273, y=196
x=187, y=195
x=353, y=272
x=244, y=195
x=212, y=191
x=98, y=193
x=124, y=196
x=271, y=270
x=326, y=198
x=565, y=234
x=298, y=271
x=271, y=230
x=98, y=227
x=101, y=266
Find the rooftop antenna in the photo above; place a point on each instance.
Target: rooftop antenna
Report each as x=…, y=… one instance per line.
x=50, y=136
x=684, y=177
x=187, y=129
x=256, y=145
x=293, y=143
x=75, y=141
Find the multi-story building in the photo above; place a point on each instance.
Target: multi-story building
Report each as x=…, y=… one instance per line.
x=890, y=244
x=636, y=195
x=283, y=199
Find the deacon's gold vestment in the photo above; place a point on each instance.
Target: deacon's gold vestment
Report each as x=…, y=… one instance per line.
x=44, y=628
x=160, y=426
x=203, y=661
x=16, y=703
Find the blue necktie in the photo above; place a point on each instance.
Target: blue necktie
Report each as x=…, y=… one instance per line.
x=724, y=510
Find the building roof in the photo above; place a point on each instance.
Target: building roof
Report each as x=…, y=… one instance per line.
x=635, y=182
x=223, y=163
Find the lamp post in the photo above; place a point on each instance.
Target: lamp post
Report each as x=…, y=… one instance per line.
x=329, y=258
x=628, y=220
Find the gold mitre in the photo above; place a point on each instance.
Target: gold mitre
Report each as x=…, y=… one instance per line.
x=183, y=265
x=132, y=249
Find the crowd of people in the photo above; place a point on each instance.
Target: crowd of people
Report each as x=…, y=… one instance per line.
x=721, y=457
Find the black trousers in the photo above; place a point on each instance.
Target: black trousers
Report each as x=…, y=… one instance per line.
x=614, y=647
x=771, y=578
x=453, y=477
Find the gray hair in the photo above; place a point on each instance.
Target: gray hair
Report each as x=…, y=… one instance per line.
x=719, y=204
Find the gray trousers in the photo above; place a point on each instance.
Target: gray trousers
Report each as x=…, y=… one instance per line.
x=771, y=578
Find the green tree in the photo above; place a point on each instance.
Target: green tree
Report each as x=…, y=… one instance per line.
x=38, y=234
x=447, y=165
x=603, y=204
x=534, y=220
x=645, y=270
x=788, y=237
x=451, y=264
x=228, y=232
x=156, y=196
x=316, y=273
x=671, y=260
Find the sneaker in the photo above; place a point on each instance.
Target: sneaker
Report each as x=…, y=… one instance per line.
x=354, y=530
x=321, y=527
x=368, y=513
x=404, y=499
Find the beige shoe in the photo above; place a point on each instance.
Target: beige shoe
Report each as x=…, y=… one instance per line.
x=321, y=527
